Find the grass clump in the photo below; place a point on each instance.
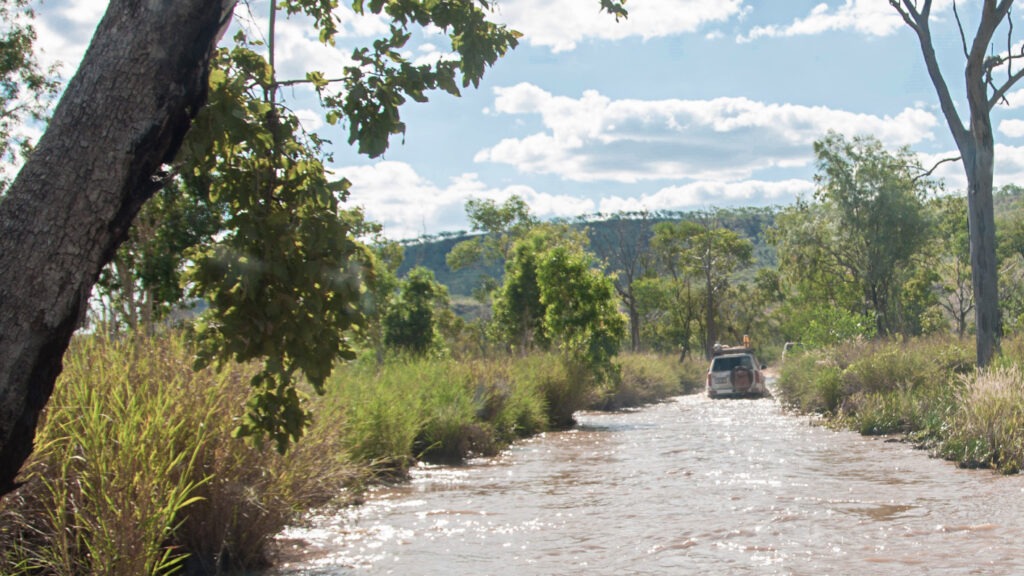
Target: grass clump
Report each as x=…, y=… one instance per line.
x=987, y=427
x=926, y=389
x=646, y=378
x=135, y=470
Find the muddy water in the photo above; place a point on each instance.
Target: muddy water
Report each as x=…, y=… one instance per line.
x=692, y=486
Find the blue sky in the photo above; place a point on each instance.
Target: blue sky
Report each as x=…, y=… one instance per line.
x=689, y=104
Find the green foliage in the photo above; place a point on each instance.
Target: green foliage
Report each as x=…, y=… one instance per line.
x=518, y=310
x=411, y=323
x=500, y=226
x=26, y=90
x=647, y=378
x=829, y=326
x=144, y=282
x=703, y=253
x=283, y=283
x=580, y=312
x=382, y=79
x=669, y=309
x=858, y=246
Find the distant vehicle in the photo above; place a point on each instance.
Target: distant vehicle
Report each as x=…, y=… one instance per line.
x=735, y=372
x=789, y=348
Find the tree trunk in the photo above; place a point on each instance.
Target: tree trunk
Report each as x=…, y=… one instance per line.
x=121, y=119
x=984, y=270
x=634, y=323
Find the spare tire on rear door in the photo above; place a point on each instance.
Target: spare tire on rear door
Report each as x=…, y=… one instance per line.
x=741, y=378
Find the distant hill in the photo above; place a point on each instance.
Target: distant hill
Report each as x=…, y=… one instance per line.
x=605, y=232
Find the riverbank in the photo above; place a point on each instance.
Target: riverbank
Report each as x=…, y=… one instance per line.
x=136, y=470
x=926, y=390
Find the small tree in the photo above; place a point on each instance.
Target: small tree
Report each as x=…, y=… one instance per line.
x=411, y=322
x=580, y=315
x=500, y=226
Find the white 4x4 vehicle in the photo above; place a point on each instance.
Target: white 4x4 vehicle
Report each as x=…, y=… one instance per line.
x=735, y=371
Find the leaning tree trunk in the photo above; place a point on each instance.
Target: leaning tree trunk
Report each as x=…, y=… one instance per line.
x=121, y=119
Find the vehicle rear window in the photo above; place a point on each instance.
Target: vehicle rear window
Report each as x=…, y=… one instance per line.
x=729, y=362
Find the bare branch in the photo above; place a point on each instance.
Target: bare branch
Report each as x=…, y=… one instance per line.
x=1009, y=45
x=934, y=168
x=918, y=21
x=960, y=27
x=909, y=14
x=1000, y=93
x=298, y=81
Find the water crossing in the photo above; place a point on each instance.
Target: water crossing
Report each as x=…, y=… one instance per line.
x=690, y=486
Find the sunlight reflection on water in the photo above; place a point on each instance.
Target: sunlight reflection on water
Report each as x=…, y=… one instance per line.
x=691, y=486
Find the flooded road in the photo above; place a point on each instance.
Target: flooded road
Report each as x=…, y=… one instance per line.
x=691, y=486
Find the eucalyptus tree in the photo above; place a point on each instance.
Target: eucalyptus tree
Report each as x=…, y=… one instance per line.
x=855, y=248
x=111, y=144
x=625, y=244
x=874, y=221
x=985, y=88
x=704, y=250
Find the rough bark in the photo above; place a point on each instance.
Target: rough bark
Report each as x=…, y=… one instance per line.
x=121, y=119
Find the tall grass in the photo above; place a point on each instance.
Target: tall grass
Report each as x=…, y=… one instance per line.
x=135, y=470
x=987, y=428
x=926, y=388
x=646, y=378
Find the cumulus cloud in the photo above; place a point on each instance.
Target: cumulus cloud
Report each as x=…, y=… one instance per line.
x=595, y=138
x=561, y=24
x=1009, y=167
x=1012, y=128
x=870, y=17
x=409, y=205
x=705, y=194
x=64, y=29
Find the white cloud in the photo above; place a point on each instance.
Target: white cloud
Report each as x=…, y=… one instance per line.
x=1009, y=167
x=409, y=205
x=594, y=138
x=561, y=24
x=64, y=29
x=1012, y=128
x=705, y=194
x=870, y=17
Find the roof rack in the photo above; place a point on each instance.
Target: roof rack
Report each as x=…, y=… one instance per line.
x=722, y=350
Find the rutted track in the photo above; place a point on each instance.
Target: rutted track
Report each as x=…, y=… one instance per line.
x=691, y=486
